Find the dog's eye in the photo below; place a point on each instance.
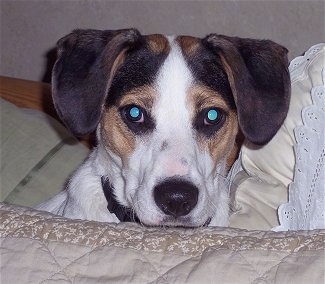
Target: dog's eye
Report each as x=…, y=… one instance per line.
x=135, y=114
x=208, y=121
x=137, y=119
x=212, y=116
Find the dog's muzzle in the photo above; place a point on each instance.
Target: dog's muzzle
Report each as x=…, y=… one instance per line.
x=176, y=197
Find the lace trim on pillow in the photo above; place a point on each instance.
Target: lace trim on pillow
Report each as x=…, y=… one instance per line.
x=306, y=206
x=298, y=65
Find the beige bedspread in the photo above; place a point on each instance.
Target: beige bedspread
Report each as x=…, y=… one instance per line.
x=37, y=247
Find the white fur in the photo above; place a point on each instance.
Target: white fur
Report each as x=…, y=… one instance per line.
x=134, y=183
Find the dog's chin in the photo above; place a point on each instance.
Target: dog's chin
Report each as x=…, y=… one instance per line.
x=170, y=222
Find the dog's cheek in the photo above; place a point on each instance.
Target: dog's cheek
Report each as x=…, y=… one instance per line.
x=117, y=137
x=221, y=146
x=234, y=153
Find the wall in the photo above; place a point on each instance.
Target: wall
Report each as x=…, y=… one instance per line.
x=30, y=29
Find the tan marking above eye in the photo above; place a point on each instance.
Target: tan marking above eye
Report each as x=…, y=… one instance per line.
x=144, y=97
x=202, y=97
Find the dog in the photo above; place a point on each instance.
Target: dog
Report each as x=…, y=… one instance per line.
x=166, y=111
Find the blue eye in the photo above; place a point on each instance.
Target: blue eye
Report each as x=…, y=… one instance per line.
x=212, y=116
x=134, y=114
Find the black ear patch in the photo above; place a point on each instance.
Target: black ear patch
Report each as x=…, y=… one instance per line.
x=258, y=74
x=83, y=73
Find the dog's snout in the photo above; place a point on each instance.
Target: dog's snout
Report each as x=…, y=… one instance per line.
x=176, y=198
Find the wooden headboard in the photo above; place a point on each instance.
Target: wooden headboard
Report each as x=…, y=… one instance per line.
x=34, y=95
x=27, y=94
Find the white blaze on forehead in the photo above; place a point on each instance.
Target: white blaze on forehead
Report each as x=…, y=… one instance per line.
x=173, y=81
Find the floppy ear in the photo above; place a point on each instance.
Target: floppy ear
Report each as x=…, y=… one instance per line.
x=82, y=74
x=258, y=74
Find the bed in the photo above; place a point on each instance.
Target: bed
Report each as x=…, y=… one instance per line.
x=276, y=232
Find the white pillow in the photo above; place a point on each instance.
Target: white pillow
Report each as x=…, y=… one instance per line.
x=262, y=186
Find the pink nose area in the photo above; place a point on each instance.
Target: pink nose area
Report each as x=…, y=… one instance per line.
x=176, y=168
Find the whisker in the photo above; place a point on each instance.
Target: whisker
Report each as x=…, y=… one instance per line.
x=137, y=203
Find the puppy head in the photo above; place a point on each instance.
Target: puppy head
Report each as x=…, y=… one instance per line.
x=167, y=112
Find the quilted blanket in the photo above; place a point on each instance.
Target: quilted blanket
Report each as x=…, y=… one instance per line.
x=37, y=247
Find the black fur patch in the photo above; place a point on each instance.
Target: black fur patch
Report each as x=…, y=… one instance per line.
x=139, y=68
x=208, y=70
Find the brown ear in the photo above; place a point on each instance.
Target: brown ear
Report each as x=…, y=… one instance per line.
x=82, y=74
x=258, y=74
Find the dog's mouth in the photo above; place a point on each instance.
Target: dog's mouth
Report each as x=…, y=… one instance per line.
x=126, y=214
x=176, y=223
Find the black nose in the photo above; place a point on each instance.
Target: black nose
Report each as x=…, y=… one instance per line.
x=176, y=197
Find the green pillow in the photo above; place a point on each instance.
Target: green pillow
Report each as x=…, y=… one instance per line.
x=37, y=155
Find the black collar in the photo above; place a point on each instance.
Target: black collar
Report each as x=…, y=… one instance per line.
x=124, y=214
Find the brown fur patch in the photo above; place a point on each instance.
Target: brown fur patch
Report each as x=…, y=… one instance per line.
x=117, y=136
x=142, y=96
x=158, y=43
x=201, y=97
x=188, y=44
x=235, y=150
x=222, y=145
